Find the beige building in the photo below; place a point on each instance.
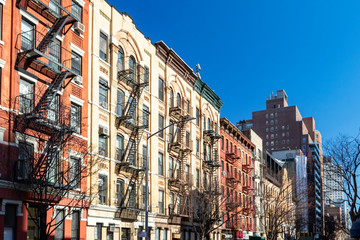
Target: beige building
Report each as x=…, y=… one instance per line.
x=136, y=88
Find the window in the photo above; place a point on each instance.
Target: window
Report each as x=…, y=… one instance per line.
x=161, y=201
x=132, y=68
x=59, y=223
x=54, y=6
x=161, y=164
x=75, y=225
x=267, y=123
x=171, y=167
x=165, y=234
x=119, y=191
x=27, y=35
x=146, y=76
x=287, y=127
x=161, y=89
x=131, y=157
x=26, y=97
x=75, y=118
x=53, y=111
x=304, y=140
x=55, y=54
x=98, y=231
x=76, y=10
x=103, y=46
x=187, y=138
x=119, y=147
x=198, y=147
x=171, y=132
x=1, y=20
x=171, y=98
x=75, y=171
x=53, y=168
x=103, y=93
x=267, y=129
x=102, y=189
x=157, y=234
x=119, y=102
x=222, y=143
x=178, y=100
x=76, y=63
x=197, y=180
x=146, y=112
x=120, y=63
x=144, y=156
x=161, y=126
x=102, y=145
x=197, y=117
x=109, y=235
x=125, y=233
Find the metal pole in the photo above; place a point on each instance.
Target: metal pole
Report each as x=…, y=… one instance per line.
x=147, y=190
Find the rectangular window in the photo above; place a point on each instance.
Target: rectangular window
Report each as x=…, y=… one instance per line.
x=76, y=10
x=197, y=117
x=125, y=233
x=98, y=231
x=1, y=20
x=53, y=168
x=146, y=112
x=109, y=235
x=26, y=98
x=75, y=225
x=187, y=138
x=198, y=147
x=161, y=126
x=161, y=164
x=146, y=76
x=103, y=93
x=161, y=89
x=132, y=195
x=75, y=118
x=103, y=46
x=102, y=189
x=59, y=224
x=165, y=234
x=102, y=145
x=54, y=6
x=25, y=160
x=75, y=171
x=157, y=234
x=27, y=35
x=55, y=54
x=119, y=191
x=53, y=111
x=161, y=201
x=171, y=167
x=76, y=63
x=119, y=102
x=144, y=153
x=119, y=147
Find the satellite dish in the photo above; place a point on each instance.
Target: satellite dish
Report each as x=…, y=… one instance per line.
x=198, y=68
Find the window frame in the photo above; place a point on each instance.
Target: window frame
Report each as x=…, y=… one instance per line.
x=103, y=93
x=161, y=89
x=77, y=14
x=75, y=222
x=103, y=190
x=160, y=164
x=161, y=126
x=103, y=44
x=75, y=116
x=75, y=62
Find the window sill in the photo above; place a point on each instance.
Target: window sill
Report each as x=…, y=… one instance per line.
x=77, y=33
x=2, y=43
x=104, y=62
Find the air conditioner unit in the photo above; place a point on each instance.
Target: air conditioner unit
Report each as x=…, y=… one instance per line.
x=78, y=26
x=111, y=228
x=104, y=131
x=78, y=80
x=103, y=104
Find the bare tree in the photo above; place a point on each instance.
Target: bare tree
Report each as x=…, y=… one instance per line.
x=345, y=151
x=51, y=167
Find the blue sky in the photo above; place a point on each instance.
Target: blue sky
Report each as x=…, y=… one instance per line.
x=248, y=49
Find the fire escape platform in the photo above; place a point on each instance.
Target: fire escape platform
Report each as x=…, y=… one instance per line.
x=128, y=213
x=38, y=65
x=212, y=163
x=45, y=11
x=178, y=113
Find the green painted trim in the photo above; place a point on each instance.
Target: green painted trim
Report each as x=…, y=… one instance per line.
x=206, y=92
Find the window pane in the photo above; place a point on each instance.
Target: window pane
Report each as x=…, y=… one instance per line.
x=75, y=225
x=161, y=89
x=161, y=164
x=59, y=223
x=120, y=59
x=76, y=63
x=103, y=46
x=27, y=35
x=161, y=126
x=76, y=10
x=75, y=118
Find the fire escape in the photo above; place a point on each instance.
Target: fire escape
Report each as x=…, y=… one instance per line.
x=180, y=147
x=39, y=113
x=134, y=121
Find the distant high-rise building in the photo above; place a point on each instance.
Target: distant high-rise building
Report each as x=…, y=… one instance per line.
x=283, y=128
x=333, y=185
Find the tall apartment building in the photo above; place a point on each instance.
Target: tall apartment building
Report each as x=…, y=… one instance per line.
x=259, y=179
x=138, y=88
x=43, y=140
x=237, y=183
x=283, y=128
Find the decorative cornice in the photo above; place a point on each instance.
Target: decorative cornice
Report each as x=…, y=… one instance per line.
x=206, y=92
x=227, y=125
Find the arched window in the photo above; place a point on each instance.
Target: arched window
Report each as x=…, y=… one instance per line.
x=171, y=98
x=120, y=59
x=208, y=124
x=178, y=100
x=132, y=68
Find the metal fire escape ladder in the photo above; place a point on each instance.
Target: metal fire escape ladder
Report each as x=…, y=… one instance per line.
x=50, y=94
x=52, y=33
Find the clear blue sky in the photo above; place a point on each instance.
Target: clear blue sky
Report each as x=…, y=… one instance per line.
x=247, y=49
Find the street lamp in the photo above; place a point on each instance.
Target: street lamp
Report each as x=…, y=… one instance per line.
x=149, y=135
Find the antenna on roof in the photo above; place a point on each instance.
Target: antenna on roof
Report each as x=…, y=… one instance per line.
x=198, y=69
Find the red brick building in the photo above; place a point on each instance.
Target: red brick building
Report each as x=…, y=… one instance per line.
x=237, y=185
x=43, y=118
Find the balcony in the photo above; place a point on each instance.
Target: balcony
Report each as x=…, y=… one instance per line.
x=49, y=119
x=232, y=181
x=178, y=147
x=132, y=119
x=131, y=162
x=212, y=161
x=247, y=167
x=30, y=55
x=178, y=113
x=128, y=213
x=248, y=187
